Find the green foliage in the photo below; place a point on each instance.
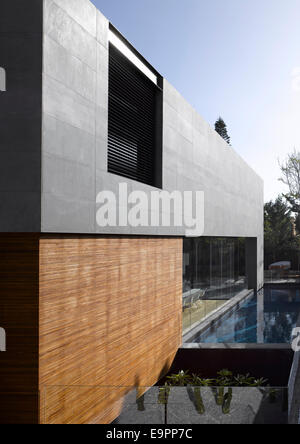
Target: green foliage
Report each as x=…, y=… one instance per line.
x=261, y=382
x=180, y=379
x=244, y=380
x=290, y=170
x=280, y=242
x=273, y=396
x=221, y=128
x=140, y=404
x=197, y=381
x=227, y=402
x=225, y=378
x=220, y=396
x=163, y=394
x=221, y=387
x=297, y=222
x=199, y=404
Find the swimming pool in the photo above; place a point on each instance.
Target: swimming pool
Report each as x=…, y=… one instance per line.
x=268, y=317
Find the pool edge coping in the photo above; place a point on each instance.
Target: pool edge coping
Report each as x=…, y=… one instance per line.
x=216, y=315
x=236, y=346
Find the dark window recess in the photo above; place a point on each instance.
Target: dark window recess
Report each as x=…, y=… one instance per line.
x=133, y=141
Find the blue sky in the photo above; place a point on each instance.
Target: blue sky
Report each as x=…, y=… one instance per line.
x=236, y=58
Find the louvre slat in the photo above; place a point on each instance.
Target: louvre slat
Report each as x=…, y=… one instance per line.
x=128, y=160
x=131, y=122
x=128, y=127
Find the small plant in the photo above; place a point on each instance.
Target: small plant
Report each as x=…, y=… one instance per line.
x=197, y=381
x=163, y=397
x=180, y=379
x=199, y=401
x=260, y=382
x=225, y=378
x=273, y=396
x=220, y=396
x=244, y=380
x=140, y=404
x=227, y=402
x=163, y=394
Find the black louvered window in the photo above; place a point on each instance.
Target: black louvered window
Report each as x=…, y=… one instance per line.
x=133, y=127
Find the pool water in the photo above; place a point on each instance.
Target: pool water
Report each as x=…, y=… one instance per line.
x=268, y=317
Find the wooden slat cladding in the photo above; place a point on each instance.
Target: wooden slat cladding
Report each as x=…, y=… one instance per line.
x=108, y=311
x=19, y=294
x=110, y=315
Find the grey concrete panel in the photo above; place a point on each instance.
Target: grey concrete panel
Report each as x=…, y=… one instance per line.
x=110, y=182
x=66, y=105
x=75, y=102
x=75, y=124
x=61, y=214
x=185, y=128
x=102, y=29
x=102, y=94
x=102, y=108
x=101, y=122
x=199, y=124
x=75, y=121
x=102, y=61
x=169, y=179
x=64, y=141
x=172, y=96
x=222, y=175
x=69, y=70
x=233, y=191
x=65, y=30
x=101, y=155
x=170, y=163
x=171, y=117
x=66, y=178
x=83, y=11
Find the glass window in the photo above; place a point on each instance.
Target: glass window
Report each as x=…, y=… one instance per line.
x=213, y=272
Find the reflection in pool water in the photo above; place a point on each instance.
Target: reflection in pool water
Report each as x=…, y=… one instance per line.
x=268, y=318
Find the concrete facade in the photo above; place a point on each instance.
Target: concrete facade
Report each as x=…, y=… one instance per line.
x=67, y=168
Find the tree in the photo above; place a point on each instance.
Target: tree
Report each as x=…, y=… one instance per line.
x=297, y=223
x=280, y=242
x=290, y=170
x=221, y=128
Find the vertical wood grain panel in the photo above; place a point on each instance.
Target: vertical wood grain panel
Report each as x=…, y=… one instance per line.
x=110, y=315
